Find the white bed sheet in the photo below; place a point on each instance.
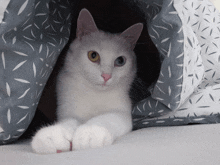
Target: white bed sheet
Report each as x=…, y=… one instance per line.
x=182, y=145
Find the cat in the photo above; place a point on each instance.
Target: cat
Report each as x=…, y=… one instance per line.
x=93, y=86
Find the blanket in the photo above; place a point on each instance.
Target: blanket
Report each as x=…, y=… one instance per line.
x=186, y=34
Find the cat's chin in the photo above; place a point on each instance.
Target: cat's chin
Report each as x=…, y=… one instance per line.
x=102, y=86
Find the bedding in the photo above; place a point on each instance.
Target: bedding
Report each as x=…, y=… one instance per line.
x=177, y=145
x=186, y=34
x=32, y=35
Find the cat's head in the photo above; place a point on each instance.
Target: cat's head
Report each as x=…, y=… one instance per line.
x=101, y=59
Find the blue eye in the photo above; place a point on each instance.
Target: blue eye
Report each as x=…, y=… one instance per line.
x=120, y=61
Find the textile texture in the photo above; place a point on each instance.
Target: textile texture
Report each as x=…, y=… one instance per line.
x=32, y=35
x=186, y=34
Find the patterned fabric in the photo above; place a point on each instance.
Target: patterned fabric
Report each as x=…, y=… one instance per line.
x=3, y=6
x=32, y=35
x=187, y=35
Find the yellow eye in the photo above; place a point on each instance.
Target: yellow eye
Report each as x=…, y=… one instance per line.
x=93, y=56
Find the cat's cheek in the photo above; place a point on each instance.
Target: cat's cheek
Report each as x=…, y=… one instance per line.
x=93, y=76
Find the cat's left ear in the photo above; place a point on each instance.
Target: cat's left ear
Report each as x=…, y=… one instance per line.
x=85, y=24
x=132, y=34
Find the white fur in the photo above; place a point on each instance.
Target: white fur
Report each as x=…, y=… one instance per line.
x=90, y=114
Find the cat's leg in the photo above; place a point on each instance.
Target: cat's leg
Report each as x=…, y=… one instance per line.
x=102, y=130
x=55, y=138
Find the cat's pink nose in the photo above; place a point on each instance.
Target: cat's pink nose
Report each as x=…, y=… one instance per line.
x=106, y=77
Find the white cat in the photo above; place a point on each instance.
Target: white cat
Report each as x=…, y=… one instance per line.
x=94, y=107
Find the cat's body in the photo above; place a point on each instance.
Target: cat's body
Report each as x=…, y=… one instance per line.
x=94, y=107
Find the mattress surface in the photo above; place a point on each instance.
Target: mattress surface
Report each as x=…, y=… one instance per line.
x=194, y=144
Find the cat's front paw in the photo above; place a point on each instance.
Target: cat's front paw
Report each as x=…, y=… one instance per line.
x=52, y=139
x=91, y=136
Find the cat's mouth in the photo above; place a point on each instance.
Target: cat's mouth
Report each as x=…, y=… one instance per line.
x=103, y=85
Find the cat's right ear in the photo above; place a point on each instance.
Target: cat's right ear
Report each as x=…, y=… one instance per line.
x=85, y=24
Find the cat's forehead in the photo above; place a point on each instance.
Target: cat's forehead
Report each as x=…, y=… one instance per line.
x=106, y=44
x=111, y=46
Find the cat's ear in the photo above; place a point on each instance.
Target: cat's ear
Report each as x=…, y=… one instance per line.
x=85, y=24
x=132, y=34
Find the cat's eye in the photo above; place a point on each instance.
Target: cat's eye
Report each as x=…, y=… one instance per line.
x=93, y=56
x=120, y=61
